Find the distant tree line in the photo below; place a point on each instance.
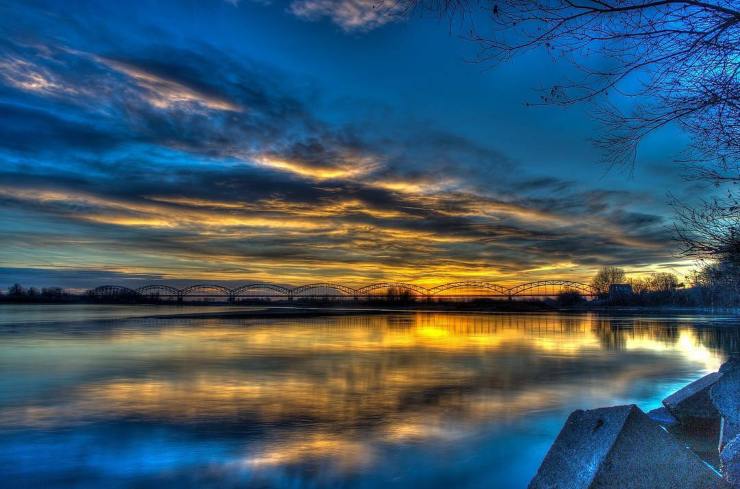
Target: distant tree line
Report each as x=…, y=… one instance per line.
x=713, y=284
x=18, y=293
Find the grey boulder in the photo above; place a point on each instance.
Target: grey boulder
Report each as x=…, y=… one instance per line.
x=725, y=395
x=730, y=457
x=620, y=447
x=732, y=363
x=692, y=403
x=662, y=416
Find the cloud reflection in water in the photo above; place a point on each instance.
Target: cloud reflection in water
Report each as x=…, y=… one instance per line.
x=325, y=401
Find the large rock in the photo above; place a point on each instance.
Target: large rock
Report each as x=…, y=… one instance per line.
x=733, y=363
x=620, y=447
x=692, y=404
x=725, y=395
x=663, y=417
x=730, y=457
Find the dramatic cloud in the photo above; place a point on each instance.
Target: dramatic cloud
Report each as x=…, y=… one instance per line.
x=350, y=15
x=183, y=162
x=162, y=93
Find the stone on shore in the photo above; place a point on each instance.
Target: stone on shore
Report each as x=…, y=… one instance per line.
x=620, y=447
x=662, y=416
x=732, y=363
x=730, y=457
x=725, y=395
x=692, y=404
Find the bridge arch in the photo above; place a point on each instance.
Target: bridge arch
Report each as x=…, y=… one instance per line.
x=112, y=290
x=562, y=284
x=206, y=290
x=342, y=289
x=158, y=289
x=238, y=291
x=497, y=289
x=388, y=285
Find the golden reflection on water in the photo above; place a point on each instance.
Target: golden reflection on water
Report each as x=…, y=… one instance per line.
x=340, y=387
x=687, y=344
x=347, y=454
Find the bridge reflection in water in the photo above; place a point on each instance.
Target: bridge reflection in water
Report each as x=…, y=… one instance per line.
x=433, y=400
x=327, y=290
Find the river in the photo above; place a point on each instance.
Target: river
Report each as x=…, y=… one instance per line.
x=99, y=396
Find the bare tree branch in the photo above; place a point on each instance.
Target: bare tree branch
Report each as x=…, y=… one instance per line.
x=678, y=61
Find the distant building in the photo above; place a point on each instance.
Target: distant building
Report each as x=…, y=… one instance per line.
x=619, y=290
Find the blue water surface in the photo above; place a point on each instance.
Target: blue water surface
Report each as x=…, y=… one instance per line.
x=111, y=398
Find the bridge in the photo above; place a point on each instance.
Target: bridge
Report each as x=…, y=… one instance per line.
x=329, y=290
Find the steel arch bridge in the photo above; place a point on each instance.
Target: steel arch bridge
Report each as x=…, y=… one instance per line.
x=493, y=289
x=266, y=290
x=252, y=290
x=158, y=290
x=389, y=286
x=328, y=289
x=583, y=289
x=206, y=290
x=112, y=291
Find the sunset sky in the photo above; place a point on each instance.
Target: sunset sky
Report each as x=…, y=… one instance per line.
x=298, y=141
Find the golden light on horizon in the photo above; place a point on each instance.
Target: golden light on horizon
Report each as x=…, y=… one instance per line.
x=337, y=245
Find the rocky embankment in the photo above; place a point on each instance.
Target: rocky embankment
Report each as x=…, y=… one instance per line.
x=623, y=447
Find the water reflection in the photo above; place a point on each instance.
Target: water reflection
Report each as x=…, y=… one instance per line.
x=365, y=401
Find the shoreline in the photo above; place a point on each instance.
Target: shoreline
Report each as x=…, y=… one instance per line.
x=692, y=441
x=699, y=316
x=495, y=306
x=297, y=312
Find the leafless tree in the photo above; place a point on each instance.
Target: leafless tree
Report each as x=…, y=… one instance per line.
x=711, y=231
x=646, y=63
x=606, y=277
x=658, y=282
x=16, y=290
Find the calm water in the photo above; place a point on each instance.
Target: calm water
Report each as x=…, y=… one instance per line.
x=397, y=400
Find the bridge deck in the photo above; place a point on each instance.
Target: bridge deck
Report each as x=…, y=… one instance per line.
x=476, y=290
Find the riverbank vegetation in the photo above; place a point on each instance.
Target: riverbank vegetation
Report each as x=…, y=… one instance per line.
x=712, y=284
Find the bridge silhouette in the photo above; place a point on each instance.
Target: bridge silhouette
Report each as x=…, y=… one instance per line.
x=320, y=290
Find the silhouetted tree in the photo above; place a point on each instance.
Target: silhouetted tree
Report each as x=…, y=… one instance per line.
x=606, y=277
x=718, y=283
x=16, y=290
x=711, y=231
x=663, y=282
x=677, y=61
x=52, y=293
x=640, y=285
x=569, y=298
x=657, y=289
x=400, y=295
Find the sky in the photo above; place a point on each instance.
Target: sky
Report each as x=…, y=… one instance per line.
x=302, y=141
